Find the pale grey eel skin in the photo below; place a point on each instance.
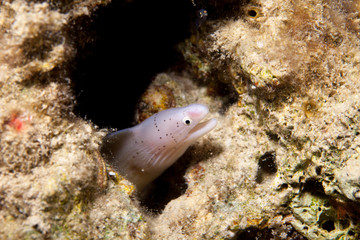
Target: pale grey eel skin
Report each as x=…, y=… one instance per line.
x=143, y=152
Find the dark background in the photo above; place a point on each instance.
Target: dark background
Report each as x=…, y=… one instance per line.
x=120, y=51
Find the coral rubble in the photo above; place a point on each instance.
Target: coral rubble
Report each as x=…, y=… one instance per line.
x=294, y=67
x=281, y=77
x=49, y=158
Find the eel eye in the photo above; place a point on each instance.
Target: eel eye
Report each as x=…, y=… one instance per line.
x=187, y=121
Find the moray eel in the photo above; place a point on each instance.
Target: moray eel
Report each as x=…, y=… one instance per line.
x=141, y=153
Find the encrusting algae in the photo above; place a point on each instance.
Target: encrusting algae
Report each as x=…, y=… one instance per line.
x=281, y=78
x=49, y=157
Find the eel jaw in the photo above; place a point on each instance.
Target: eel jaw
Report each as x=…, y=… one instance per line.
x=201, y=129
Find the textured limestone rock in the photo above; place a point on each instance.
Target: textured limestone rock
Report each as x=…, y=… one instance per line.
x=282, y=78
x=294, y=66
x=49, y=159
x=348, y=178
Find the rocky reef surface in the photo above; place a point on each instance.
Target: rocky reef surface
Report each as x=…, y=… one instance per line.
x=50, y=166
x=281, y=77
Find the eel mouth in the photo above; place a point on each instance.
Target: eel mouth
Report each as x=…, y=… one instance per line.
x=202, y=128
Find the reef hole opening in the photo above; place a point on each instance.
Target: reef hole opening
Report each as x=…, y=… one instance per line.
x=252, y=13
x=266, y=166
x=120, y=48
x=328, y=226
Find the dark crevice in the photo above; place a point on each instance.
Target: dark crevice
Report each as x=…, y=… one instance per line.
x=328, y=225
x=119, y=50
x=266, y=166
x=314, y=187
x=268, y=233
